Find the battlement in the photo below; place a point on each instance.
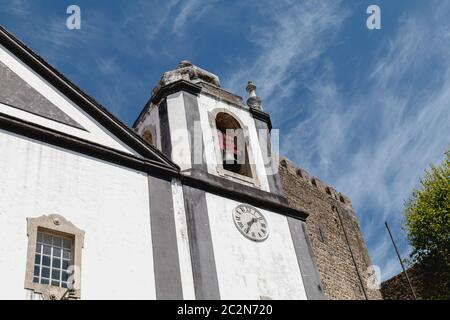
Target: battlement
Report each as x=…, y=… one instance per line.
x=336, y=240
x=316, y=183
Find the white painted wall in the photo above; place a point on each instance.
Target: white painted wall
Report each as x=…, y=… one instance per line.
x=208, y=104
x=184, y=255
x=94, y=131
x=179, y=135
x=248, y=269
x=110, y=203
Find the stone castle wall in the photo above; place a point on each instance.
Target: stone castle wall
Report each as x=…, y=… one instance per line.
x=427, y=283
x=397, y=287
x=334, y=234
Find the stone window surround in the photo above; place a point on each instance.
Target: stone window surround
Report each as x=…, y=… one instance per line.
x=55, y=224
x=219, y=167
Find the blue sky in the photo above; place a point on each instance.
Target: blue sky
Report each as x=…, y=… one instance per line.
x=364, y=110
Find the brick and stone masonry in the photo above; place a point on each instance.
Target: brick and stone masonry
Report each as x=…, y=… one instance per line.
x=337, y=243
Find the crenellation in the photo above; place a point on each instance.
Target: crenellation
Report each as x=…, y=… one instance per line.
x=315, y=182
x=330, y=214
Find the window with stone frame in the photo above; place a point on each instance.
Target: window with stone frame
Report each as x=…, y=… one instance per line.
x=53, y=267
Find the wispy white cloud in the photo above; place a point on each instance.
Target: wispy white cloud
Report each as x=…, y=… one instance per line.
x=107, y=66
x=190, y=12
x=149, y=18
x=52, y=30
x=291, y=36
x=17, y=7
x=375, y=142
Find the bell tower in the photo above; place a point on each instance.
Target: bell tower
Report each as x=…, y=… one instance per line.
x=209, y=131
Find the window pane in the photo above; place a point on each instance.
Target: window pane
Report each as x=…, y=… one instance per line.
x=57, y=241
x=44, y=281
x=56, y=263
x=46, y=261
x=38, y=247
x=47, y=239
x=39, y=237
x=65, y=264
x=56, y=274
x=36, y=271
x=64, y=276
x=47, y=250
x=64, y=284
x=45, y=272
x=57, y=252
x=67, y=243
x=37, y=259
x=66, y=254
x=36, y=279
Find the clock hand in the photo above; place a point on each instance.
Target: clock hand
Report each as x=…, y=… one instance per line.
x=250, y=223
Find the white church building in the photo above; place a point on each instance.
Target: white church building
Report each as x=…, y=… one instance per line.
x=92, y=209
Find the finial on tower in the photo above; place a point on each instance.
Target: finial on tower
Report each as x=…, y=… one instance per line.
x=253, y=100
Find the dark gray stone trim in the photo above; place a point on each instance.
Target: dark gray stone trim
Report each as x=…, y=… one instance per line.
x=164, y=241
x=265, y=147
x=53, y=119
x=174, y=87
x=193, y=118
x=261, y=115
x=202, y=253
x=163, y=92
x=305, y=258
x=16, y=92
x=166, y=142
x=237, y=191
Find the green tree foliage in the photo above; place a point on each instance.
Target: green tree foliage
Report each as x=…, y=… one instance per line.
x=427, y=216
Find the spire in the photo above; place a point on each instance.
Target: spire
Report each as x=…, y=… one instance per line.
x=253, y=100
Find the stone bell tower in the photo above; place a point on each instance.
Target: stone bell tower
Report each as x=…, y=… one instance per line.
x=207, y=130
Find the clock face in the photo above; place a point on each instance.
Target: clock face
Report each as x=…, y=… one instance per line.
x=250, y=222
